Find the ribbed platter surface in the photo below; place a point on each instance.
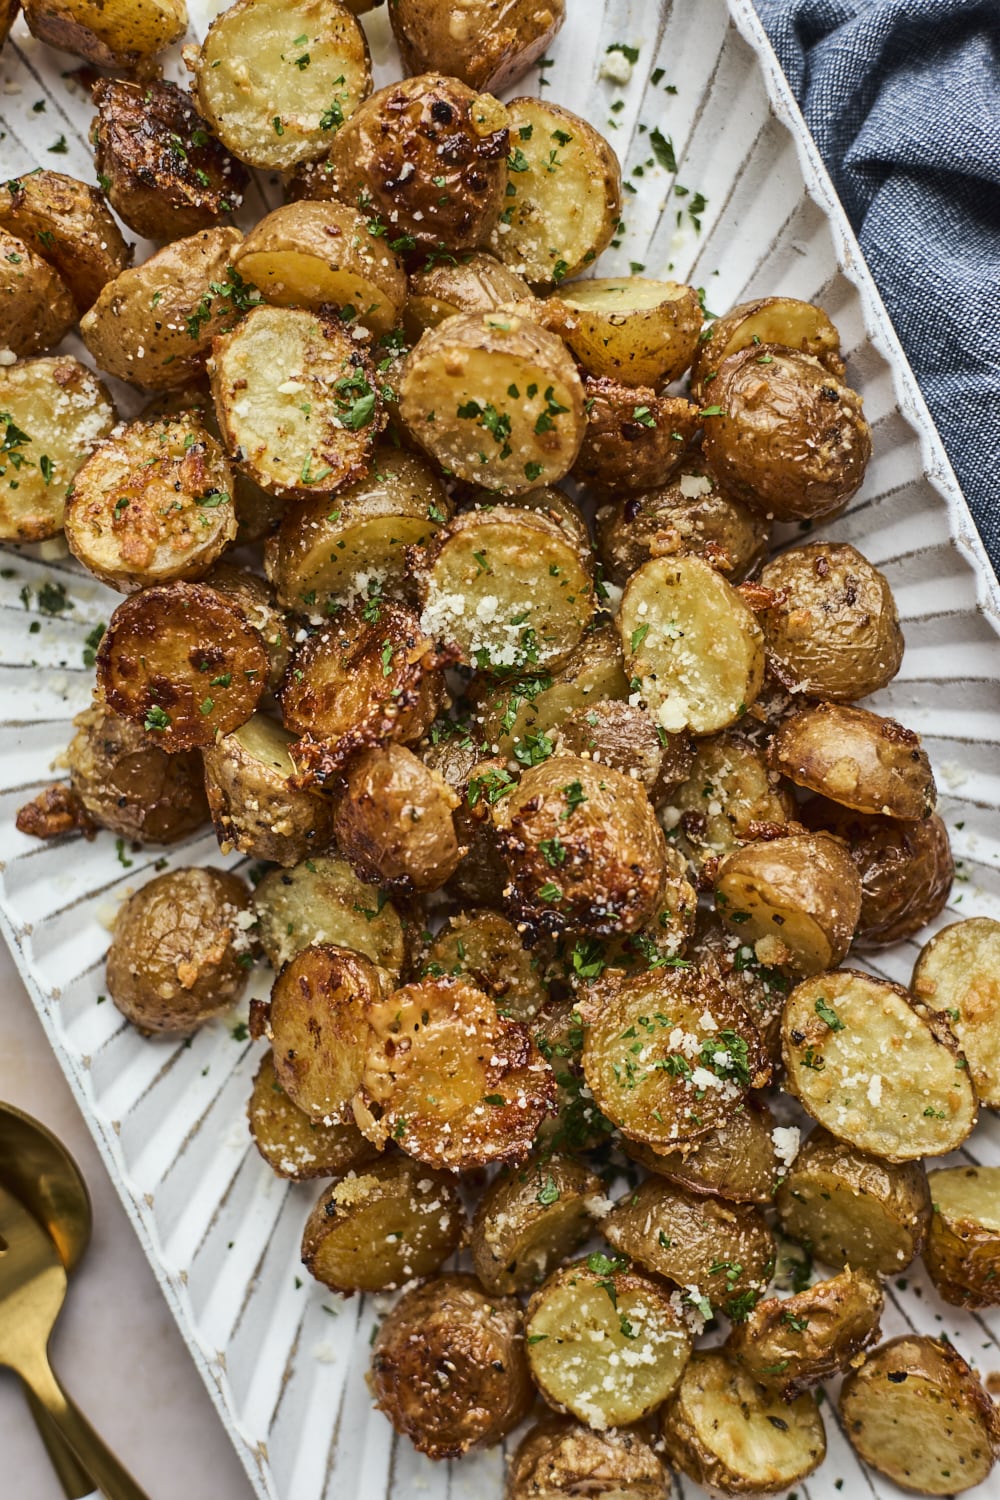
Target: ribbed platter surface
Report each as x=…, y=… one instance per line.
x=283, y=1362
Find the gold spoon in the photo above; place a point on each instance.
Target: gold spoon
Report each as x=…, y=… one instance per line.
x=38, y=1170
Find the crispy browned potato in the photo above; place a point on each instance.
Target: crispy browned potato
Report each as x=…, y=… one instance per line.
x=728, y=794
x=856, y=758
x=634, y=439
x=918, y=1414
x=863, y=1062
x=737, y=1162
x=957, y=979
x=962, y=1254
x=531, y=1218
x=36, y=308
x=559, y=1457
x=183, y=662
x=383, y=1225
x=163, y=171
x=724, y=1430
x=321, y=900
x=126, y=782
x=486, y=44
x=624, y=737
x=67, y=223
x=179, y=953
x=485, y=948
x=576, y=1124
x=295, y=1146
x=582, y=847
x=630, y=328
x=800, y=893
x=852, y=1209
x=765, y=320
x=754, y=974
x=251, y=594
x=476, y=282
x=9, y=11
x=582, y=1326
x=449, y=1325
x=833, y=630
x=454, y=1083
x=394, y=821
x=256, y=805
x=110, y=36
x=785, y=434
x=792, y=1344
x=480, y=875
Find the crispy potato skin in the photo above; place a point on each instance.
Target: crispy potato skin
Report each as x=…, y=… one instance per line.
x=857, y=759
x=36, y=308
x=255, y=804
x=795, y=1343
x=489, y=46
x=736, y=1162
x=962, y=1254
x=394, y=821
x=449, y=1324
x=174, y=960
x=480, y=875
x=630, y=329
x=295, y=1146
x=484, y=947
x=559, y=1456
x=107, y=36
x=917, y=1413
x=529, y=1219
x=955, y=980
x=476, y=283
x=766, y=320
x=785, y=434
x=66, y=222
x=255, y=600
x=128, y=784
x=625, y=738
x=728, y=790
x=634, y=439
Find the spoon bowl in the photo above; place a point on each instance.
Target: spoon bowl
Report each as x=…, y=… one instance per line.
x=36, y=1167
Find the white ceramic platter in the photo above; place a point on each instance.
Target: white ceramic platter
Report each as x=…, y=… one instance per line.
x=284, y=1363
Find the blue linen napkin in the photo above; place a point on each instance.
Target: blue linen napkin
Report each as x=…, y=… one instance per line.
x=903, y=99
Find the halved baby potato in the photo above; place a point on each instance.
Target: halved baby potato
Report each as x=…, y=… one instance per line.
x=962, y=1254
x=560, y=1457
x=793, y=1343
x=321, y=900
x=255, y=805
x=36, y=308
x=737, y=1161
x=121, y=34
x=634, y=439
x=484, y=947
x=395, y=821
x=856, y=758
x=631, y=328
x=474, y=283
x=67, y=223
x=295, y=1146
x=530, y=1219
x=957, y=977
x=765, y=320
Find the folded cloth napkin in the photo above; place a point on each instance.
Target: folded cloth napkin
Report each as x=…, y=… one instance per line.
x=903, y=99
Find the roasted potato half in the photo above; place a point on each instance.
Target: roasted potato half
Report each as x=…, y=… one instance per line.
x=863, y=1062
x=624, y=737
x=751, y=973
x=311, y=69
x=68, y=224
x=163, y=171
x=321, y=900
x=36, y=307
x=394, y=821
x=766, y=320
x=476, y=282
x=632, y=329
x=857, y=759
x=916, y=1412
x=53, y=411
x=449, y=1324
x=793, y=1343
x=255, y=804
x=179, y=953
x=962, y=1254
x=634, y=439
x=121, y=35
x=251, y=595
x=728, y=794
x=559, y=1457
x=487, y=45
x=737, y=1162
x=484, y=947
x=295, y=1146
x=531, y=1218
x=957, y=978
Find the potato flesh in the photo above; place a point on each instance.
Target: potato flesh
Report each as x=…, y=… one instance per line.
x=963, y=1246
x=865, y=1064
x=518, y=710
x=692, y=643
x=293, y=1145
x=728, y=788
x=321, y=900
x=320, y=1030
x=640, y=331
x=957, y=975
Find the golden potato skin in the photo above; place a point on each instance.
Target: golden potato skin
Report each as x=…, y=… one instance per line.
x=765, y=320
x=390, y=157
x=175, y=956
x=476, y=283
x=784, y=434
x=795, y=1343
x=68, y=224
x=634, y=439
x=856, y=758
x=728, y=795
x=295, y=1146
x=736, y=1162
x=322, y=900
x=251, y=595
x=625, y=738
x=561, y=1457
x=486, y=948
x=630, y=328
x=256, y=805
x=955, y=980
x=449, y=1369
x=394, y=821
x=962, y=1254
x=488, y=46
x=131, y=786
x=532, y=1217
x=107, y=36
x=36, y=308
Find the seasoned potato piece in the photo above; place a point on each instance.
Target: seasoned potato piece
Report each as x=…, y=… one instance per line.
x=164, y=174
x=957, y=977
x=255, y=805
x=496, y=399
x=36, y=308
x=298, y=403
x=728, y=793
x=177, y=951
x=577, y=1124
x=583, y=1325
x=833, y=631
x=487, y=44
x=801, y=892
x=153, y=502
x=481, y=874
x=184, y=663
x=321, y=900
x=475, y=283
x=918, y=1414
x=153, y=324
x=857, y=759
x=292, y=1144
x=118, y=35
x=634, y=439
x=864, y=1063
x=9, y=12
x=625, y=738
x=668, y=1055
x=394, y=821
x=753, y=974
x=690, y=514
x=722, y=1256
x=530, y=1219
x=559, y=1457
x=127, y=783
x=450, y=1325
x=723, y=1429
x=692, y=642
x=564, y=187
x=795, y=1343
x=582, y=848
x=285, y=110
x=632, y=329
x=962, y=1254
x=852, y=1209
x=785, y=434
x=252, y=595
x=450, y=1080
x=382, y=1225
x=427, y=156
x=766, y=320
x=737, y=1161
x=317, y=254
x=356, y=549
x=68, y=224
x=485, y=948
x=508, y=588
x=52, y=413
x=664, y=936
